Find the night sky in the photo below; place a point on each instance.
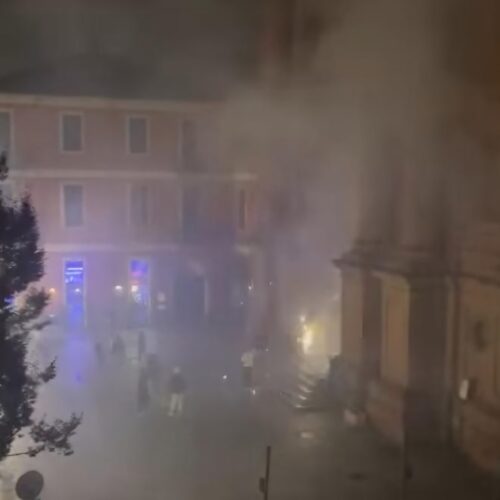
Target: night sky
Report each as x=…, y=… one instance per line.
x=214, y=36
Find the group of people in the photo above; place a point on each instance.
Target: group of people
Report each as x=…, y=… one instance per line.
x=151, y=382
x=117, y=349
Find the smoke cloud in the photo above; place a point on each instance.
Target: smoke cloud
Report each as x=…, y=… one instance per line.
x=371, y=99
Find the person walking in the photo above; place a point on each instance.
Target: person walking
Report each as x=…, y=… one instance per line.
x=141, y=346
x=247, y=363
x=155, y=377
x=177, y=387
x=118, y=347
x=99, y=352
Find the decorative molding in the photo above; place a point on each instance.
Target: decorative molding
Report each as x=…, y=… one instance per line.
x=130, y=248
x=107, y=247
x=107, y=103
x=97, y=173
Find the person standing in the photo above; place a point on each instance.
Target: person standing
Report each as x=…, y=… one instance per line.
x=247, y=363
x=177, y=387
x=155, y=378
x=118, y=347
x=99, y=352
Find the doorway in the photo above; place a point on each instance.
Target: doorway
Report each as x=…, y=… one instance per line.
x=74, y=293
x=189, y=298
x=139, y=283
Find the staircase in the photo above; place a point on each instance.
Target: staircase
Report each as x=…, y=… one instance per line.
x=307, y=393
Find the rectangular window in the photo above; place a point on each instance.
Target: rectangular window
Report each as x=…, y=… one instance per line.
x=72, y=132
x=242, y=210
x=5, y=134
x=139, y=205
x=188, y=146
x=137, y=135
x=190, y=212
x=73, y=205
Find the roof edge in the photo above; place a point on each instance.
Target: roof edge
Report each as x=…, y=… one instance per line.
x=87, y=102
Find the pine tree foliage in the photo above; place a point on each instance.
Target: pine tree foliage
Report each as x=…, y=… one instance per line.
x=22, y=265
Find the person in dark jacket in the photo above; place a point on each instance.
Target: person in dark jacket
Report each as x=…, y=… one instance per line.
x=141, y=346
x=177, y=388
x=118, y=347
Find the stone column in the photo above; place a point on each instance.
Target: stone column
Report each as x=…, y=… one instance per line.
x=405, y=401
x=361, y=291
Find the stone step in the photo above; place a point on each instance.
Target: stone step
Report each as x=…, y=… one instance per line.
x=306, y=394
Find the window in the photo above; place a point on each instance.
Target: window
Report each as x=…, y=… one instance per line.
x=137, y=135
x=73, y=205
x=188, y=145
x=5, y=134
x=139, y=205
x=72, y=132
x=190, y=212
x=242, y=210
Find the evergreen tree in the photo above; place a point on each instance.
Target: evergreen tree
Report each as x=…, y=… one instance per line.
x=21, y=265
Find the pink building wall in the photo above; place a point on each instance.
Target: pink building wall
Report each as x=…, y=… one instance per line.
x=107, y=171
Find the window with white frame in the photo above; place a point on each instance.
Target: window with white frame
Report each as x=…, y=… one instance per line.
x=73, y=205
x=139, y=205
x=72, y=132
x=137, y=134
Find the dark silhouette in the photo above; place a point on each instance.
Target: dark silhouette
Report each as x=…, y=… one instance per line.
x=143, y=396
x=21, y=265
x=118, y=347
x=99, y=352
x=177, y=387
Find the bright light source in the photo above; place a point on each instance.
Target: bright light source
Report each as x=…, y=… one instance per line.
x=52, y=291
x=250, y=287
x=224, y=377
x=302, y=318
x=134, y=288
x=78, y=290
x=307, y=339
x=118, y=289
x=254, y=392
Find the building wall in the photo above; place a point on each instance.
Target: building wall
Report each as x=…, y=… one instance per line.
x=475, y=348
x=440, y=281
x=38, y=145
x=107, y=172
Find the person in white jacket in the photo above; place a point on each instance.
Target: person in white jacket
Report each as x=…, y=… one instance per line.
x=247, y=363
